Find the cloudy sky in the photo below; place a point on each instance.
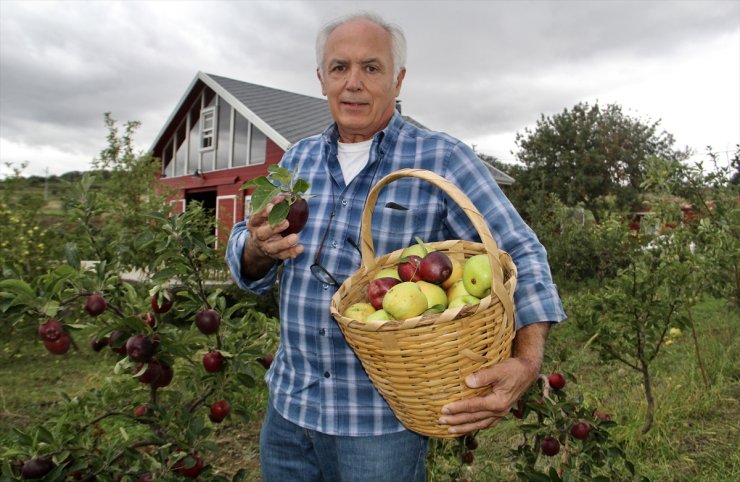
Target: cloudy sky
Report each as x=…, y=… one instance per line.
x=479, y=70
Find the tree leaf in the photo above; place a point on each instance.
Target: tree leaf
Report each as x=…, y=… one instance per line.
x=19, y=287
x=262, y=197
x=278, y=213
x=301, y=185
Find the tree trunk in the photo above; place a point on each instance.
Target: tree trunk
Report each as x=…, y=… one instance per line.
x=648, y=397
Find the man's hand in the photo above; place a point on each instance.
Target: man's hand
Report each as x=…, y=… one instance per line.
x=508, y=381
x=265, y=245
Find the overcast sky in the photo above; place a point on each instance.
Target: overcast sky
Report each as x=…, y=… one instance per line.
x=479, y=70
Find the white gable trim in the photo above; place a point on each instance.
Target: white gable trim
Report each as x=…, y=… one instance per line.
x=271, y=133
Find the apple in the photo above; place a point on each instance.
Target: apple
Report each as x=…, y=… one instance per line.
x=98, y=344
x=471, y=443
x=456, y=290
x=51, y=330
x=455, y=275
x=405, y=300
x=116, y=343
x=380, y=315
x=467, y=457
x=95, y=304
x=417, y=249
x=580, y=430
x=604, y=417
x=359, y=311
x=477, y=275
x=189, y=466
x=140, y=411
x=149, y=319
x=436, y=296
x=266, y=361
x=377, y=289
x=139, y=348
x=219, y=411
x=165, y=378
x=213, y=361
x=152, y=373
x=208, y=321
x=37, y=467
x=435, y=267
x=60, y=346
x=408, y=270
x=166, y=304
x=297, y=217
x=556, y=380
x=520, y=409
x=550, y=446
x=391, y=272
x=463, y=300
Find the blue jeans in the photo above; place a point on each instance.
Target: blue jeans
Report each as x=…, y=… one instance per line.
x=289, y=453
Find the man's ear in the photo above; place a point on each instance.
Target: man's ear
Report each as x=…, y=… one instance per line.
x=399, y=81
x=318, y=74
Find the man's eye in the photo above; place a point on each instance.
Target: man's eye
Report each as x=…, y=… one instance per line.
x=338, y=68
x=371, y=68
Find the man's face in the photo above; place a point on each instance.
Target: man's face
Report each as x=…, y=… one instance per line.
x=358, y=79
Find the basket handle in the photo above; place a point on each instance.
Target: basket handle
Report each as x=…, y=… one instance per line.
x=367, y=247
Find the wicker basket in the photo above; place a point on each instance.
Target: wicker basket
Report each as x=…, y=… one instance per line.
x=419, y=364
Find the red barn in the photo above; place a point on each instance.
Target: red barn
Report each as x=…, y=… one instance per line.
x=224, y=132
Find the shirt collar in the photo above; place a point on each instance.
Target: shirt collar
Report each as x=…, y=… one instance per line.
x=381, y=140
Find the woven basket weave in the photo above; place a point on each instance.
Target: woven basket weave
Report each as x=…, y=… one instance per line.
x=419, y=364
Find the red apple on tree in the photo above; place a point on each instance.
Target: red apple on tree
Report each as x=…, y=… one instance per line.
x=152, y=372
x=580, y=430
x=550, y=446
x=189, y=466
x=95, y=304
x=51, y=330
x=219, y=411
x=165, y=378
x=98, y=344
x=556, y=380
x=116, y=342
x=208, y=321
x=139, y=348
x=213, y=361
x=60, y=346
x=166, y=305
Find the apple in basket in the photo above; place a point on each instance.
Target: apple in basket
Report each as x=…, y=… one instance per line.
x=405, y=300
x=359, y=311
x=377, y=289
x=477, y=275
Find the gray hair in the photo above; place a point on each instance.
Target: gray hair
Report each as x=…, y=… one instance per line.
x=398, y=39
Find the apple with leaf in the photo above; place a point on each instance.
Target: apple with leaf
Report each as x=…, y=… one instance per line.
x=293, y=206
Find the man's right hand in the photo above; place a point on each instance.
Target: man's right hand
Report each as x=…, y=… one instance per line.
x=266, y=245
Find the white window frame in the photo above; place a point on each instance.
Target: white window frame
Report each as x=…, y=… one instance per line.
x=204, y=113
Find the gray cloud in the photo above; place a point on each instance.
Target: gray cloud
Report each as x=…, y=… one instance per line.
x=475, y=68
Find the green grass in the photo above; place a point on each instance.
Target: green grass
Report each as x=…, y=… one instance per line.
x=694, y=437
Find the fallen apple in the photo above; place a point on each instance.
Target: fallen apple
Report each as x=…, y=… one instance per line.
x=36, y=468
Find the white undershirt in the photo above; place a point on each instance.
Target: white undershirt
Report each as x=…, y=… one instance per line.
x=352, y=158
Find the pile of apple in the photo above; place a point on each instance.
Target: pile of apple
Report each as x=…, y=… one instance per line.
x=422, y=282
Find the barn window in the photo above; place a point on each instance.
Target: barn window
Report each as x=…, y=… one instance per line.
x=208, y=128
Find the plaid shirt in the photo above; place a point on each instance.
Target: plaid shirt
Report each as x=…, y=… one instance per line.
x=316, y=381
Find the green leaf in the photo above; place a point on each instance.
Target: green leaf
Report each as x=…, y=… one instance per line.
x=164, y=275
x=51, y=308
x=257, y=182
x=19, y=287
x=240, y=476
x=301, y=185
x=72, y=255
x=262, y=197
x=278, y=213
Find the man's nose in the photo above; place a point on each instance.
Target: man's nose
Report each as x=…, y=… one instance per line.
x=354, y=80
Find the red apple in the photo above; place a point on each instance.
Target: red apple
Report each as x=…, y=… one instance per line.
x=556, y=380
x=139, y=348
x=377, y=289
x=116, y=342
x=37, y=468
x=189, y=466
x=219, y=411
x=165, y=378
x=60, y=346
x=266, y=361
x=520, y=408
x=213, y=361
x=604, y=417
x=152, y=373
x=208, y=321
x=98, y=344
x=95, y=304
x=435, y=267
x=149, y=319
x=140, y=411
x=51, y=330
x=297, y=217
x=166, y=303
x=550, y=446
x=409, y=270
x=580, y=430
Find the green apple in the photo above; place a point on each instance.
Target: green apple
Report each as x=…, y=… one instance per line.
x=477, y=275
x=417, y=249
x=380, y=315
x=387, y=273
x=405, y=300
x=436, y=296
x=464, y=300
x=359, y=311
x=456, y=290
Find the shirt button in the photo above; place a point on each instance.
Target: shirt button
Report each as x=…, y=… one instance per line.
x=322, y=332
x=333, y=244
x=326, y=286
x=327, y=374
x=344, y=202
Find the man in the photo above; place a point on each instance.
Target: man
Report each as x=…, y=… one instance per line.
x=325, y=420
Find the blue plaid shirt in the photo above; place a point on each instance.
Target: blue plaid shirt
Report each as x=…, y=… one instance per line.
x=316, y=381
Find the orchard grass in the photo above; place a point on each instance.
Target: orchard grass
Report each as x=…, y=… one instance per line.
x=694, y=437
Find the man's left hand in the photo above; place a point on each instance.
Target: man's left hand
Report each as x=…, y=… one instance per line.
x=508, y=381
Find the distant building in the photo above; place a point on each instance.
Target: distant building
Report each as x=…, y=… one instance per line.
x=224, y=132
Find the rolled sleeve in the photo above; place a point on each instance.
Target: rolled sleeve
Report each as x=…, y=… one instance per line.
x=234, y=250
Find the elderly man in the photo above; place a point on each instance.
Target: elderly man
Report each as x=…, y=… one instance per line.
x=325, y=421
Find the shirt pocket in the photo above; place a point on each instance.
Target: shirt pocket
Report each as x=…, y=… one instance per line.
x=396, y=225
